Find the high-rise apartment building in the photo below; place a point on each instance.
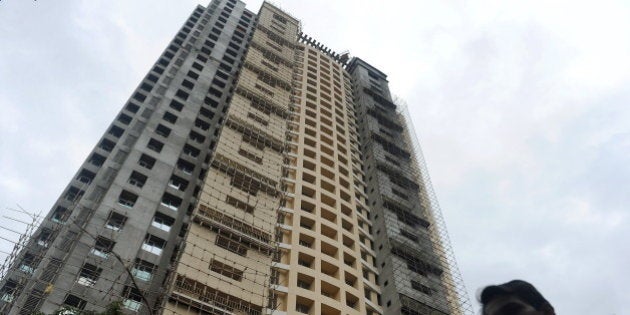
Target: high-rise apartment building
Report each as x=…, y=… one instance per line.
x=253, y=171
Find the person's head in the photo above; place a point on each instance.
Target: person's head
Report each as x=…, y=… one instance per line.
x=516, y=297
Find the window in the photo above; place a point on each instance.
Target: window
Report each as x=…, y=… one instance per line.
x=188, y=84
x=185, y=167
x=155, y=145
x=239, y=204
x=73, y=194
x=60, y=215
x=125, y=119
x=45, y=237
x=163, y=131
x=191, y=151
x=146, y=161
x=178, y=183
x=227, y=243
x=409, y=235
x=225, y=270
x=153, y=244
x=28, y=263
x=89, y=275
x=137, y=179
x=420, y=287
x=103, y=247
x=115, y=221
x=176, y=105
x=170, y=201
x=85, y=176
x=143, y=270
x=107, y=145
x=193, y=74
x=8, y=292
x=197, y=137
x=181, y=94
x=133, y=299
x=302, y=308
x=162, y=222
x=127, y=199
x=116, y=131
x=74, y=301
x=169, y=117
x=97, y=159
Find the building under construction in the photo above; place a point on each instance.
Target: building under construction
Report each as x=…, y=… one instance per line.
x=253, y=171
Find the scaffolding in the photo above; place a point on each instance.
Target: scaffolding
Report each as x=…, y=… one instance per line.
x=457, y=295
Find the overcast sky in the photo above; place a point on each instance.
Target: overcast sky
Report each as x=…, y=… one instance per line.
x=522, y=109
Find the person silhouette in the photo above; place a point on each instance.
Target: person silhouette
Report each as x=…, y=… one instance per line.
x=516, y=297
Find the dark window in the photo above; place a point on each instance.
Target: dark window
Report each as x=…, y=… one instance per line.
x=181, y=94
x=115, y=221
x=74, y=194
x=409, y=235
x=215, y=92
x=196, y=66
x=193, y=74
x=89, y=275
x=137, y=179
x=146, y=161
x=45, y=237
x=218, y=83
x=228, y=59
x=132, y=107
x=60, y=214
x=211, y=102
x=233, y=246
x=187, y=84
x=205, y=112
x=163, y=130
x=171, y=201
x=185, y=166
x=155, y=145
x=162, y=222
x=170, y=117
x=140, y=97
x=143, y=270
x=222, y=75
x=202, y=59
x=191, y=151
x=125, y=119
x=231, y=52
x=153, y=244
x=226, y=270
x=74, y=301
x=176, y=105
x=146, y=86
x=107, y=145
x=103, y=247
x=239, y=204
x=420, y=287
x=85, y=176
x=202, y=124
x=196, y=137
x=158, y=70
x=127, y=199
x=178, y=183
x=152, y=78
x=116, y=131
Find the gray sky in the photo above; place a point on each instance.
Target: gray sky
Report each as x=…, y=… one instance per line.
x=522, y=109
